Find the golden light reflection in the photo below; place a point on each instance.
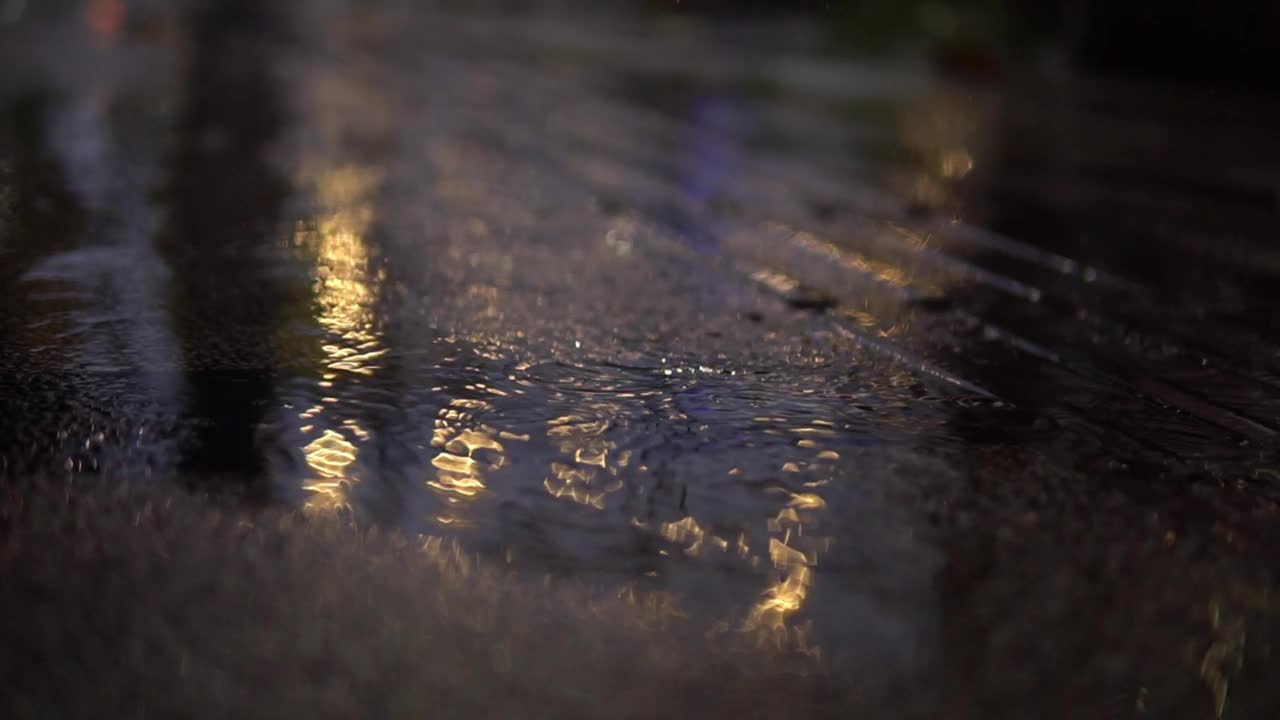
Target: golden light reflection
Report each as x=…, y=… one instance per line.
x=345, y=288
x=786, y=595
x=880, y=270
x=792, y=568
x=689, y=534
x=329, y=456
x=344, y=284
x=468, y=451
x=588, y=473
x=792, y=550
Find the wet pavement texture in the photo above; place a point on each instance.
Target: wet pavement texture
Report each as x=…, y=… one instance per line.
x=974, y=383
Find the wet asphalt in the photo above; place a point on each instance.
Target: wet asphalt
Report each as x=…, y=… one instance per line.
x=975, y=379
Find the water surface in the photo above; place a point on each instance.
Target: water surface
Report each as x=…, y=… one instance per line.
x=973, y=384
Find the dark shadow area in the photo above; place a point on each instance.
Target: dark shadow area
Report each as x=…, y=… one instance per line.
x=1213, y=44
x=39, y=215
x=225, y=201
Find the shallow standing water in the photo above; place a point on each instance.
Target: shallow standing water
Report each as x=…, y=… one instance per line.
x=969, y=380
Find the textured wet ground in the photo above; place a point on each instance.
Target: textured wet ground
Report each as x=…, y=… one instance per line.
x=971, y=385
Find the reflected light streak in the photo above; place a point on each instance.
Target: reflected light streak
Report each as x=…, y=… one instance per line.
x=589, y=478
x=466, y=455
x=785, y=596
x=794, y=574
x=880, y=270
x=329, y=456
x=345, y=289
x=693, y=537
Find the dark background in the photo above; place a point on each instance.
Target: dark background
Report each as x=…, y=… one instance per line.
x=1227, y=44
